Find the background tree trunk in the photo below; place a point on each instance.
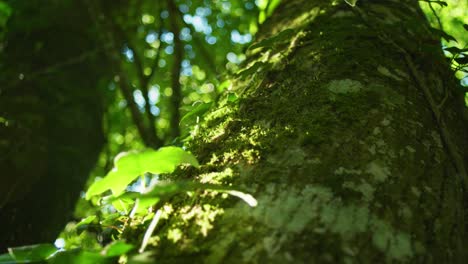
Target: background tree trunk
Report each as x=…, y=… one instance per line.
x=337, y=137
x=50, y=134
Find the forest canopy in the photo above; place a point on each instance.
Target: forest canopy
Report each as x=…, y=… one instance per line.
x=128, y=129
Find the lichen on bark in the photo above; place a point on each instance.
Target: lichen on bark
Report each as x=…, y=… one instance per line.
x=338, y=144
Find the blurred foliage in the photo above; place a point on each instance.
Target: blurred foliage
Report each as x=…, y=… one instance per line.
x=214, y=35
x=451, y=18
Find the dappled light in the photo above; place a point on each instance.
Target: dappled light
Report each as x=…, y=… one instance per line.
x=225, y=131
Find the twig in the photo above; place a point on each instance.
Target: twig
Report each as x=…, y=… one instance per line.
x=150, y=230
x=144, y=83
x=436, y=16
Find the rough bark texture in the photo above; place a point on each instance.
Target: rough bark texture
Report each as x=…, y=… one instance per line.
x=50, y=132
x=335, y=137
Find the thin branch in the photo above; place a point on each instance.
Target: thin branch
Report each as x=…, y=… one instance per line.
x=436, y=16
x=176, y=96
x=144, y=83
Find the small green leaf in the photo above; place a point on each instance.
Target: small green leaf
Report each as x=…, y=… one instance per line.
x=197, y=111
x=252, y=69
x=5, y=13
x=279, y=38
x=128, y=166
x=78, y=256
x=86, y=221
x=351, y=2
x=32, y=253
x=123, y=205
x=232, y=97
x=117, y=248
x=224, y=85
x=7, y=259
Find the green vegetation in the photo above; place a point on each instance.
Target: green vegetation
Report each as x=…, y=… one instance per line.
x=233, y=131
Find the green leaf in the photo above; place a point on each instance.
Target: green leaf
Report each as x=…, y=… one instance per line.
x=117, y=248
x=5, y=13
x=143, y=258
x=224, y=85
x=465, y=26
x=86, y=221
x=279, y=38
x=32, y=253
x=6, y=259
x=128, y=166
x=123, y=205
x=78, y=256
x=351, y=2
x=197, y=111
x=232, y=97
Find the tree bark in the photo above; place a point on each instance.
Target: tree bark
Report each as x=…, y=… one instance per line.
x=351, y=134
x=50, y=105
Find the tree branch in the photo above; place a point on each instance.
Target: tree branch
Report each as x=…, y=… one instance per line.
x=113, y=53
x=176, y=97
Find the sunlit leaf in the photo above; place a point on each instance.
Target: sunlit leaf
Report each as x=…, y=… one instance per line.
x=143, y=258
x=224, y=85
x=32, y=253
x=117, y=248
x=86, y=221
x=78, y=256
x=123, y=205
x=128, y=166
x=232, y=97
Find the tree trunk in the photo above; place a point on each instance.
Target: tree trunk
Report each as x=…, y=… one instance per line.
x=351, y=135
x=50, y=111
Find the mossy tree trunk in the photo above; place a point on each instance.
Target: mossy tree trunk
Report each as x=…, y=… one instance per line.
x=350, y=134
x=50, y=110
